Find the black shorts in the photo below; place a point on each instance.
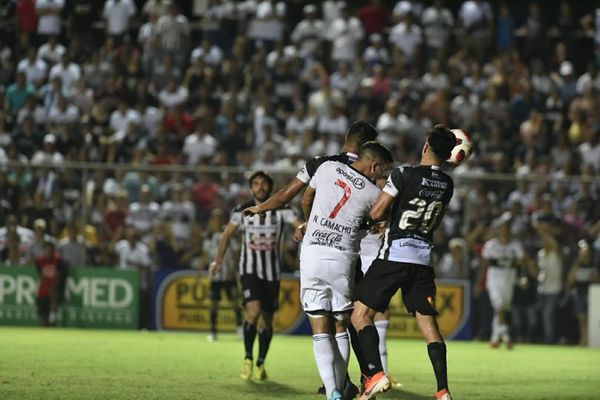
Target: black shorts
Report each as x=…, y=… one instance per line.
x=217, y=287
x=384, y=278
x=267, y=292
x=43, y=306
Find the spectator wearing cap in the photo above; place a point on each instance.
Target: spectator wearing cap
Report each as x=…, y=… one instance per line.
x=67, y=71
x=48, y=155
x=437, y=22
x=345, y=33
x=118, y=15
x=49, y=12
x=376, y=53
x=309, y=34
x=567, y=81
x=18, y=92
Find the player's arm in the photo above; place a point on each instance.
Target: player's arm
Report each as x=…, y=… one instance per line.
x=215, y=266
x=279, y=199
x=308, y=200
x=381, y=207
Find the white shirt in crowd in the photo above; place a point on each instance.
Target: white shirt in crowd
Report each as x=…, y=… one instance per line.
x=590, y=154
x=143, y=215
x=308, y=35
x=52, y=54
x=345, y=35
x=437, y=24
x=213, y=56
x=68, y=75
x=407, y=39
x=49, y=24
x=171, y=99
x=119, y=120
x=404, y=7
x=134, y=256
x=38, y=114
x=332, y=125
x=180, y=216
x=117, y=14
x=474, y=15
x=299, y=124
x=551, y=269
x=34, y=71
x=66, y=116
x=43, y=158
x=173, y=31
x=197, y=147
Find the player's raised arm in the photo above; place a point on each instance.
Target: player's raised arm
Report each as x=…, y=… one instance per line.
x=279, y=199
x=307, y=201
x=230, y=229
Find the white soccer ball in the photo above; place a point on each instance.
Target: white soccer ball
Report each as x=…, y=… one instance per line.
x=463, y=149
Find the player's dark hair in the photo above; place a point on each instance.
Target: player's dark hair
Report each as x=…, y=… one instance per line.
x=262, y=174
x=376, y=151
x=361, y=132
x=442, y=141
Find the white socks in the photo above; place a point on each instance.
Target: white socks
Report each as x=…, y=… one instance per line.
x=382, y=328
x=342, y=356
x=323, y=347
x=499, y=330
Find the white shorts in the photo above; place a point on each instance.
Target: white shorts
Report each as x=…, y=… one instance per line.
x=326, y=285
x=500, y=285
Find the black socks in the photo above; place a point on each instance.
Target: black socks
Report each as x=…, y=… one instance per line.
x=437, y=355
x=369, y=344
x=249, y=336
x=264, y=340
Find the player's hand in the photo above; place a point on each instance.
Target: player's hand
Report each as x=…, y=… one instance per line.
x=299, y=232
x=379, y=228
x=214, y=267
x=250, y=211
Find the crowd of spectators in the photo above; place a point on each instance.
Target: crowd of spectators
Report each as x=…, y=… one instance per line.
x=269, y=84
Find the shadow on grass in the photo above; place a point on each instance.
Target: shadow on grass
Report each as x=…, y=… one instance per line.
x=270, y=388
x=401, y=394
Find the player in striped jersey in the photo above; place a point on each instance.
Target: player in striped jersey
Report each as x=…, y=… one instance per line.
x=259, y=268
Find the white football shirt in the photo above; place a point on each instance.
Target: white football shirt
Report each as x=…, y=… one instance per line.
x=343, y=199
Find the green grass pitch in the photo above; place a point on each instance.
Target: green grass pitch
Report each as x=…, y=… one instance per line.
x=67, y=364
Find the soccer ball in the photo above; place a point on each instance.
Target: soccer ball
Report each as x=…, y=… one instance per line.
x=463, y=149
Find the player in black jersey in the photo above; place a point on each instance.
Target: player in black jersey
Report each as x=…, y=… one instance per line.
x=414, y=200
x=259, y=268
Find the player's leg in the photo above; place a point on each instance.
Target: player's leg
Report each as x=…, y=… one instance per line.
x=252, y=310
x=269, y=300
x=43, y=309
x=325, y=348
x=496, y=291
x=382, y=323
x=233, y=296
x=419, y=298
x=342, y=354
x=215, y=298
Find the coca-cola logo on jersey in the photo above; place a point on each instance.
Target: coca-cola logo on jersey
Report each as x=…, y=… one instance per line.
x=330, y=238
x=432, y=194
x=358, y=183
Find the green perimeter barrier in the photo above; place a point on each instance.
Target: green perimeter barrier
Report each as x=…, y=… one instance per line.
x=103, y=298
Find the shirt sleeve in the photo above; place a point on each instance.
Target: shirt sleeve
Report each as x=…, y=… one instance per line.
x=288, y=215
x=236, y=217
x=519, y=252
x=309, y=169
x=394, y=184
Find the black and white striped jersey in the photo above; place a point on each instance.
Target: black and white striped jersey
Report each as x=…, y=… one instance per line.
x=261, y=240
x=309, y=169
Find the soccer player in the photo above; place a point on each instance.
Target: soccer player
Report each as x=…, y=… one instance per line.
x=339, y=198
x=415, y=198
x=259, y=268
x=53, y=278
x=359, y=133
x=224, y=280
x=502, y=255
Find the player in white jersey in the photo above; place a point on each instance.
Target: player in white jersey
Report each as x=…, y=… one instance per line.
x=501, y=255
x=339, y=198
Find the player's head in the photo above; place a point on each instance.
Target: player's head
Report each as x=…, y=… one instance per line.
x=374, y=159
x=359, y=133
x=261, y=185
x=48, y=249
x=440, y=142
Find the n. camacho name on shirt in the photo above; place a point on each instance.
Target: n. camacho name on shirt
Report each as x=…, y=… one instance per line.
x=334, y=226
